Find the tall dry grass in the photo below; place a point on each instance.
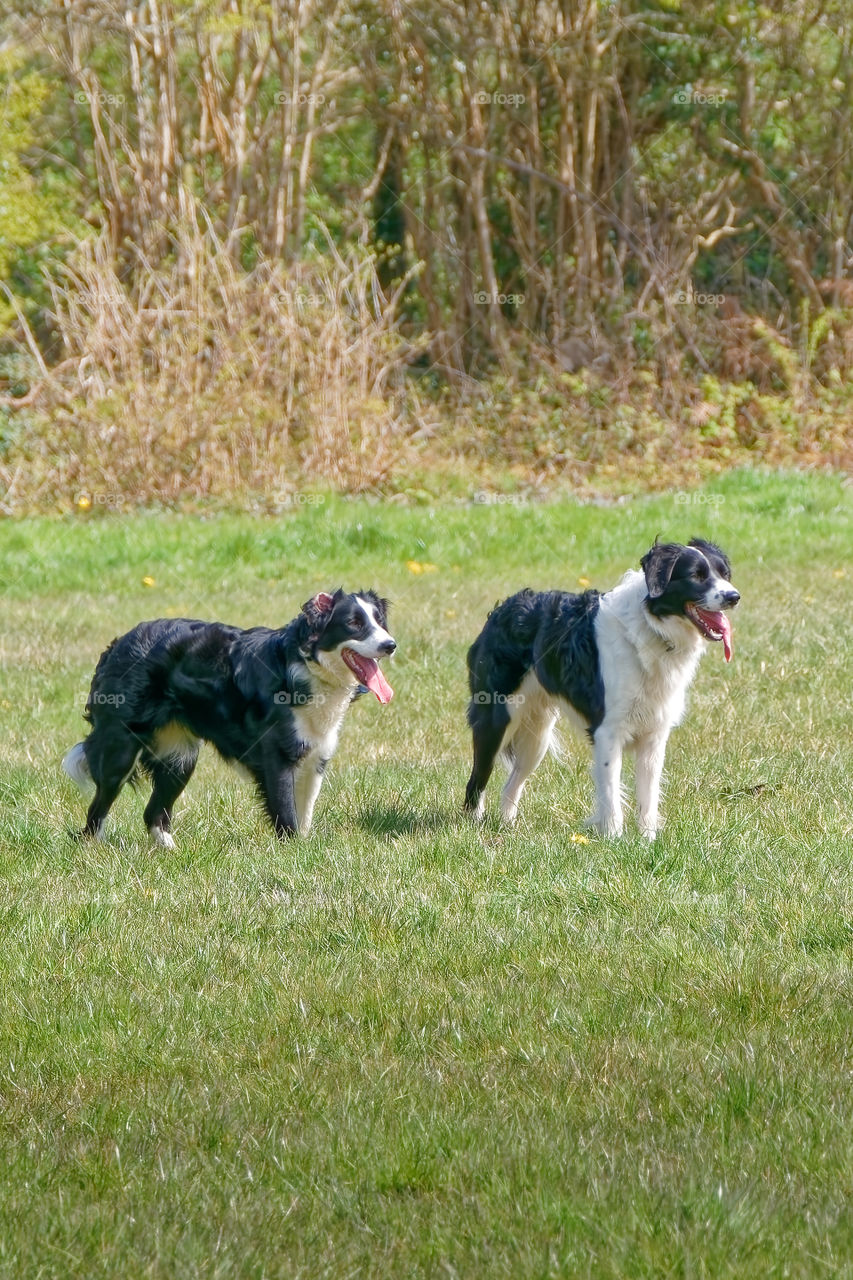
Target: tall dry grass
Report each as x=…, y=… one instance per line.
x=209, y=380
x=202, y=380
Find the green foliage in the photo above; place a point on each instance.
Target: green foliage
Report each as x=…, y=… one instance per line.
x=29, y=208
x=590, y=171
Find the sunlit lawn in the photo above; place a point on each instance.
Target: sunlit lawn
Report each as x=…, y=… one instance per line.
x=404, y=1046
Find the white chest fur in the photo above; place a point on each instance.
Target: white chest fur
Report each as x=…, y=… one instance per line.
x=646, y=673
x=318, y=719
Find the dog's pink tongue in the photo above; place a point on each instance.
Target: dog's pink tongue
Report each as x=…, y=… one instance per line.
x=725, y=626
x=376, y=682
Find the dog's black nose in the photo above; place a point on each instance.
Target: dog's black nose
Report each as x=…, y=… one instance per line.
x=387, y=647
x=730, y=598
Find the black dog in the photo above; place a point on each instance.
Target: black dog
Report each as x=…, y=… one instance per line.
x=270, y=702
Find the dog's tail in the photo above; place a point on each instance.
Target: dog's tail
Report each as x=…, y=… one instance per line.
x=76, y=765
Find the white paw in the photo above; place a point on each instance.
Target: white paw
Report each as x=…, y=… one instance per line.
x=162, y=838
x=608, y=826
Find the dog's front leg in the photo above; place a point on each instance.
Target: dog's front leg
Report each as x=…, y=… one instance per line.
x=277, y=789
x=607, y=774
x=309, y=779
x=650, y=752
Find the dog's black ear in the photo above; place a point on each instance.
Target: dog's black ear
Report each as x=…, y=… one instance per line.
x=380, y=604
x=717, y=558
x=657, y=564
x=316, y=613
x=318, y=608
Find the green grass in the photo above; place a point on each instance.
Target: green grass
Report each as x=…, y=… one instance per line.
x=403, y=1046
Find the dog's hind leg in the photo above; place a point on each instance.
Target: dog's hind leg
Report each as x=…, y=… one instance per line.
x=111, y=765
x=487, y=743
x=650, y=752
x=169, y=776
x=529, y=746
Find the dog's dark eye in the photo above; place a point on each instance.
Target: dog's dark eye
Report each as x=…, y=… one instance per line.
x=358, y=623
x=701, y=572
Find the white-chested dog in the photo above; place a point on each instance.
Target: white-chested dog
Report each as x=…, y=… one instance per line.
x=618, y=665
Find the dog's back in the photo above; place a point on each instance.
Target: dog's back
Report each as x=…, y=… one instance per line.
x=536, y=654
x=134, y=677
x=503, y=651
x=551, y=633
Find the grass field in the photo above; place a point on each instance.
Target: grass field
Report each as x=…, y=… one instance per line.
x=404, y=1046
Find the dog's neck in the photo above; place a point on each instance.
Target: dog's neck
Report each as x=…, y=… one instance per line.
x=656, y=639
